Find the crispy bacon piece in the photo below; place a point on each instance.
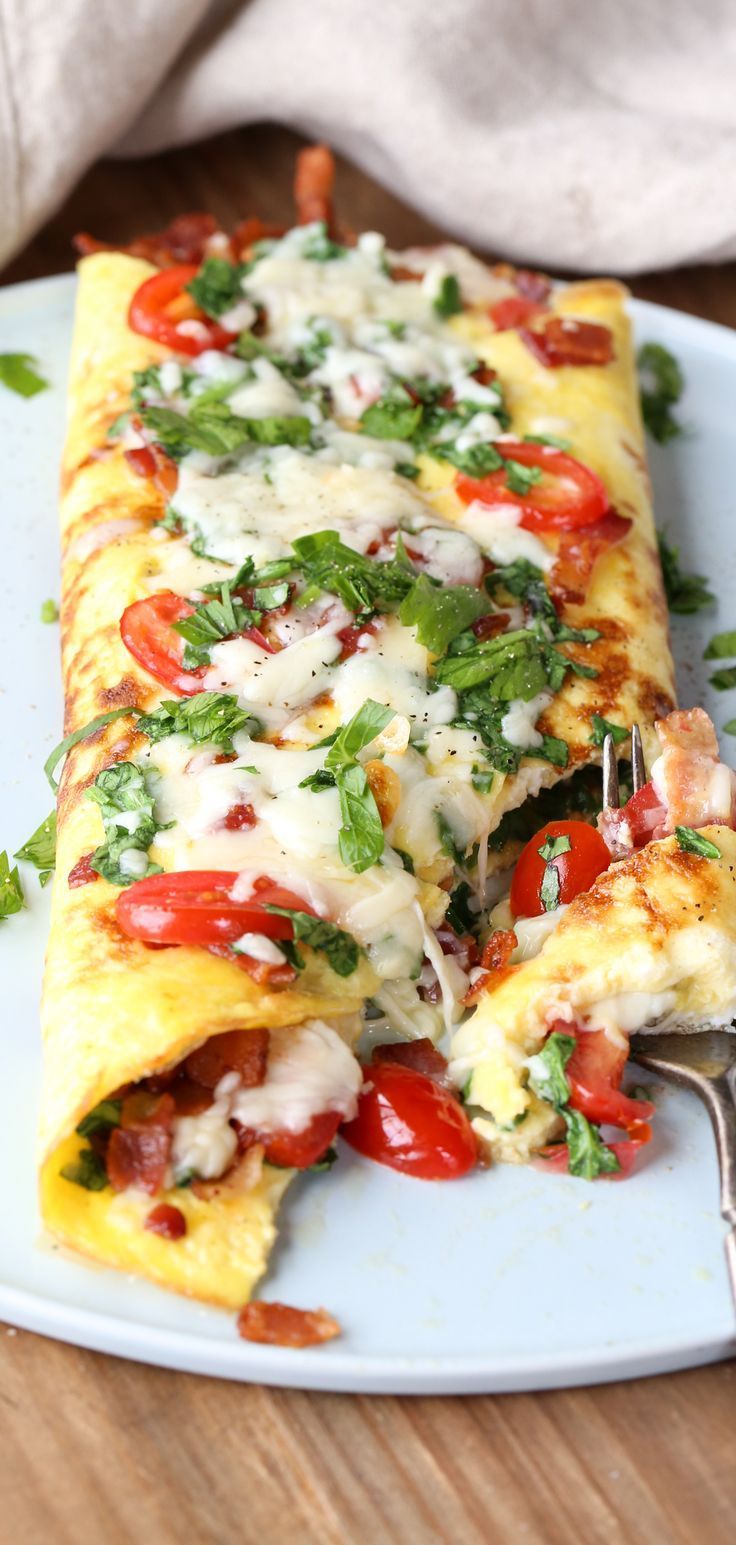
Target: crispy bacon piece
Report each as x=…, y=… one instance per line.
x=400, y=274
x=313, y=184
x=167, y=1221
x=567, y=341
x=490, y=625
x=279, y=1325
x=244, y=1052
x=579, y=552
x=421, y=1056
x=494, y=961
x=532, y=285
x=689, y=777
x=185, y=240
x=138, y=1150
x=461, y=945
x=82, y=872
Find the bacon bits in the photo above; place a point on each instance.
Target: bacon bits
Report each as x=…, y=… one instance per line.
x=244, y=1052
x=279, y=1325
x=167, y=1221
x=567, y=341
x=138, y=1150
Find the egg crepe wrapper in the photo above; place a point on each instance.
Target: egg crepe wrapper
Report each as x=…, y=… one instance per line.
x=115, y=1011
x=662, y=922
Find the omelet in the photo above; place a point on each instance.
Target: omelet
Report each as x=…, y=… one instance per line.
x=285, y=578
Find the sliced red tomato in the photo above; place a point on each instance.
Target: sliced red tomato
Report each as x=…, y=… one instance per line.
x=195, y=906
x=513, y=311
x=161, y=308
x=408, y=1122
x=594, y=1072
x=567, y=495
x=568, y=341
x=586, y=858
x=147, y=631
x=297, y=1150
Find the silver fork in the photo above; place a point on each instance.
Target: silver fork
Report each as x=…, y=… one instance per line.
x=705, y=1062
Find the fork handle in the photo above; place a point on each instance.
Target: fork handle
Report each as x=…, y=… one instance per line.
x=720, y=1099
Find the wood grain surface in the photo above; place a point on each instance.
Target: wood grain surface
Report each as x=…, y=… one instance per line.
x=96, y=1449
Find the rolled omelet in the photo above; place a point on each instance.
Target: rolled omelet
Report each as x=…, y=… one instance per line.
x=313, y=656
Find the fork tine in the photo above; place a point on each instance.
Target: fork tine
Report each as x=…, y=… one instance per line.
x=639, y=772
x=610, y=775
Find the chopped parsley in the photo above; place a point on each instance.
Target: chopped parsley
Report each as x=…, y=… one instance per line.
x=662, y=386
x=440, y=612
x=40, y=849
x=223, y=616
x=693, y=842
x=725, y=679
x=12, y=899
x=19, y=372
x=49, y=611
x=722, y=646
x=213, y=428
x=101, y=1118
x=363, y=584
x=521, y=479
x=87, y=1170
x=393, y=418
x=686, y=593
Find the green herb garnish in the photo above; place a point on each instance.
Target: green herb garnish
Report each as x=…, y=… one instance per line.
x=12, y=899
x=665, y=387
x=601, y=727
x=40, y=849
x=339, y=948
x=693, y=842
x=686, y=593
x=20, y=374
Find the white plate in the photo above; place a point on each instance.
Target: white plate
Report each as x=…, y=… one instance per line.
x=506, y=1281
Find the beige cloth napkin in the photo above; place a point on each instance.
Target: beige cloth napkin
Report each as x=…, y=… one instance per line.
x=589, y=134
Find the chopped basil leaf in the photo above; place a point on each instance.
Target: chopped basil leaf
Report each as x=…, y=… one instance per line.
x=19, y=373
x=407, y=469
x=217, y=285
x=547, y=1078
x=722, y=646
x=358, y=733
x=211, y=427
x=101, y=1118
x=40, y=849
x=130, y=826
x=448, y=840
x=12, y=899
x=340, y=949
x=392, y=418
x=482, y=778
x=693, y=842
x=440, y=612
x=329, y=1158
x=549, y=890
x=663, y=384
x=730, y=727
x=360, y=839
x=601, y=727
x=724, y=680
x=520, y=478
x=559, y=444
x=85, y=733
x=475, y=461
x=207, y=718
x=406, y=860
x=686, y=593
x=86, y=1170
x=459, y=914
x=319, y=246
x=448, y=301
x=211, y=622
x=553, y=847
x=49, y=611
x=359, y=581
x=589, y=1156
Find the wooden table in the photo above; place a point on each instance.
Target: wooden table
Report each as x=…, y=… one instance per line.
x=97, y=1449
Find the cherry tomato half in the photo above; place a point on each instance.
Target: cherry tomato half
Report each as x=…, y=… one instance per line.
x=163, y=310
x=147, y=631
x=297, y=1150
x=567, y=495
x=405, y=1120
x=586, y=858
x=194, y=906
